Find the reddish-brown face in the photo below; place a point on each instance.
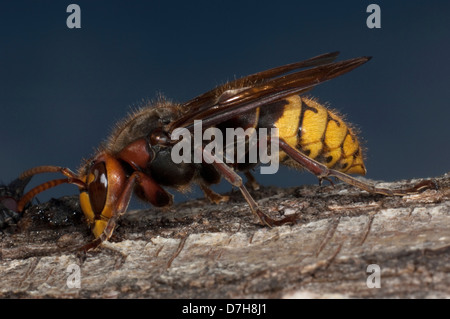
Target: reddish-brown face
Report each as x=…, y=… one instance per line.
x=105, y=179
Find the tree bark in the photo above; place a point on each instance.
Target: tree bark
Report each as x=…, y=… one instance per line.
x=202, y=250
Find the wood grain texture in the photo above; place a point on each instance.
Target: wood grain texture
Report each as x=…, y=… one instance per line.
x=201, y=250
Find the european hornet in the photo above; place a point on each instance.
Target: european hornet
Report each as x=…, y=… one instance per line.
x=137, y=156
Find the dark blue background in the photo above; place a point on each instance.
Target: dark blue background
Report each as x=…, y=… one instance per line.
x=62, y=90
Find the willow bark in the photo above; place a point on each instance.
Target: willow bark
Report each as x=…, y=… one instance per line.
x=201, y=250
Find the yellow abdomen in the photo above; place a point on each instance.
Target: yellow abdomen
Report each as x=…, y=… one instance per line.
x=320, y=134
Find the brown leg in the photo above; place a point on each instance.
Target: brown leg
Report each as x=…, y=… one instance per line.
x=212, y=195
x=251, y=181
x=323, y=172
x=234, y=179
x=150, y=191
